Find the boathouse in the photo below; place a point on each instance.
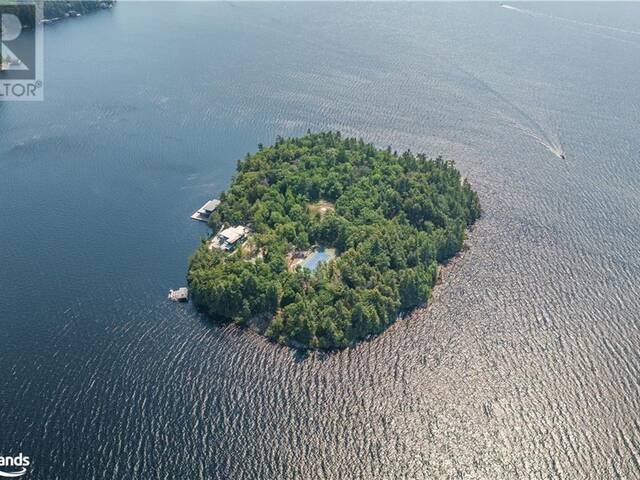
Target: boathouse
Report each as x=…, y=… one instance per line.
x=204, y=212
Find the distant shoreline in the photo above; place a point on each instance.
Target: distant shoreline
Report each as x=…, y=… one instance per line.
x=55, y=12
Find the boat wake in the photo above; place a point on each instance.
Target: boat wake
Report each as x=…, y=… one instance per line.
x=553, y=146
x=520, y=119
x=596, y=26
x=509, y=7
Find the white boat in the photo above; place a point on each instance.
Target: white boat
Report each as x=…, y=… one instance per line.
x=179, y=295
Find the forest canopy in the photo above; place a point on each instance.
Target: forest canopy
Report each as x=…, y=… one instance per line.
x=390, y=217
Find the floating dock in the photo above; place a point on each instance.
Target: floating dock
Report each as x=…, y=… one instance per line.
x=179, y=295
x=205, y=211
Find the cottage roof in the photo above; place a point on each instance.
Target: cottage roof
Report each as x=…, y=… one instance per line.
x=211, y=205
x=233, y=234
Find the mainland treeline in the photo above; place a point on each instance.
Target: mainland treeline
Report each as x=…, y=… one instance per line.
x=58, y=8
x=395, y=217
x=53, y=9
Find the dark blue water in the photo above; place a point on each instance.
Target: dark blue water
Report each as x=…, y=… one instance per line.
x=526, y=364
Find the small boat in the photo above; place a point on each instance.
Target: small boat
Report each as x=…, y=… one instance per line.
x=562, y=156
x=179, y=295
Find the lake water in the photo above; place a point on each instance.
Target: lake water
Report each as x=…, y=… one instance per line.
x=526, y=364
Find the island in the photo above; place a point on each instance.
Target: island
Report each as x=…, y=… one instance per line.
x=322, y=241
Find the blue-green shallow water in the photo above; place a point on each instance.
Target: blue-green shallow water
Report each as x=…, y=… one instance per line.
x=525, y=365
x=322, y=255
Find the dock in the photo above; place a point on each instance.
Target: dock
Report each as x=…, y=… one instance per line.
x=205, y=211
x=179, y=295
